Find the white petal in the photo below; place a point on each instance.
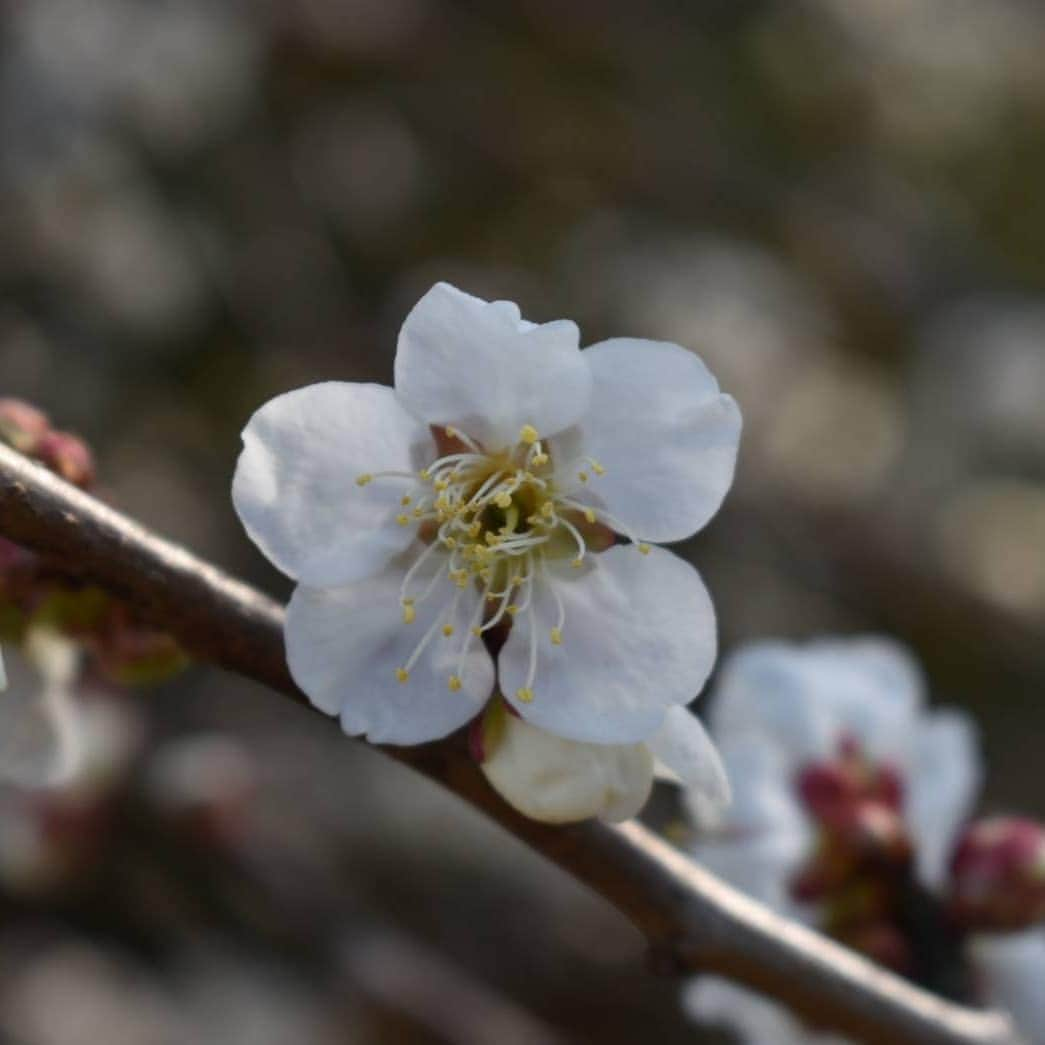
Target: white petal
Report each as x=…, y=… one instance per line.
x=295, y=485
x=684, y=746
x=345, y=644
x=560, y=781
x=755, y=1019
x=1012, y=966
x=38, y=737
x=806, y=698
x=639, y=637
x=942, y=788
x=764, y=836
x=664, y=433
x=476, y=365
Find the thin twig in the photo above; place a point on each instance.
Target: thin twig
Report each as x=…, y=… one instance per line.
x=693, y=921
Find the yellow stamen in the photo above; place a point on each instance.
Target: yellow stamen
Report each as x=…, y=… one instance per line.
x=409, y=613
x=448, y=630
x=454, y=684
x=403, y=520
x=513, y=609
x=556, y=636
x=503, y=500
x=644, y=548
x=577, y=564
x=364, y=479
x=528, y=435
x=402, y=674
x=525, y=695
x=540, y=459
x=583, y=476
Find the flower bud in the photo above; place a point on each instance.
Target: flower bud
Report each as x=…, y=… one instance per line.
x=998, y=874
x=68, y=456
x=22, y=425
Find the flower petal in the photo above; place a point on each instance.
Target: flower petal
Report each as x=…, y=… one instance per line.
x=560, y=781
x=295, y=485
x=38, y=737
x=664, y=433
x=344, y=646
x=639, y=637
x=476, y=365
x=684, y=746
x=805, y=698
x=1012, y=968
x=942, y=788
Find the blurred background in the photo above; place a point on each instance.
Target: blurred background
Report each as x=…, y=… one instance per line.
x=837, y=203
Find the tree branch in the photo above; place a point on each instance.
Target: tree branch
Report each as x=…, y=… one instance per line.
x=692, y=920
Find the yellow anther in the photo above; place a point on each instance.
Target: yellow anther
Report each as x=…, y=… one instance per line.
x=364, y=479
x=547, y=509
x=597, y=468
x=448, y=630
x=556, y=636
x=577, y=564
x=540, y=459
x=440, y=484
x=402, y=674
x=418, y=512
x=451, y=432
x=424, y=474
x=450, y=542
x=405, y=499
x=461, y=582
x=477, y=632
x=583, y=476
x=442, y=502
x=518, y=580
x=403, y=520
x=493, y=538
x=485, y=573
x=409, y=613
x=589, y=514
x=512, y=609
x=644, y=548
x=528, y=435
x=503, y=500
x=525, y=695
x=454, y=684
x=475, y=529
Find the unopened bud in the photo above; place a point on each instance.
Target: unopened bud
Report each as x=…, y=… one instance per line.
x=22, y=425
x=67, y=455
x=998, y=874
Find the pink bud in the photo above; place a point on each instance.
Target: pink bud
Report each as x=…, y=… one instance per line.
x=67, y=455
x=998, y=874
x=22, y=425
x=827, y=789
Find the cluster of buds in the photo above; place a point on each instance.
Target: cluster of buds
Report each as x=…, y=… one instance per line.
x=862, y=857
x=34, y=590
x=997, y=875
x=29, y=431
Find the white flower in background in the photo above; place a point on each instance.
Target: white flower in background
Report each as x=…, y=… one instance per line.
x=785, y=714
x=479, y=500
x=794, y=723
x=38, y=736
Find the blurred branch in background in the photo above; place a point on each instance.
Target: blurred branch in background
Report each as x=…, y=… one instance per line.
x=692, y=920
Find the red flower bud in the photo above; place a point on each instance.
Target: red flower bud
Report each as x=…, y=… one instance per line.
x=22, y=425
x=67, y=455
x=998, y=874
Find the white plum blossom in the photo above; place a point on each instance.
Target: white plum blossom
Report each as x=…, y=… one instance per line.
x=472, y=513
x=780, y=709
x=39, y=740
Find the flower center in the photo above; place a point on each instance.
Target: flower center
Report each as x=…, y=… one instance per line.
x=495, y=520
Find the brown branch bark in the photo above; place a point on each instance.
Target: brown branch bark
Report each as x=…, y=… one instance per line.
x=692, y=920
